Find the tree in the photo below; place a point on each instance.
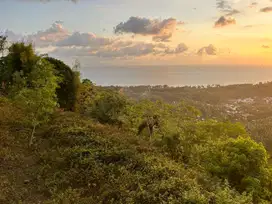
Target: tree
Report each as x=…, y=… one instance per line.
x=68, y=87
x=87, y=81
x=21, y=60
x=85, y=96
x=39, y=100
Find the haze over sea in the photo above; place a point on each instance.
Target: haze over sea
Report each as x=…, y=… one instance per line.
x=184, y=75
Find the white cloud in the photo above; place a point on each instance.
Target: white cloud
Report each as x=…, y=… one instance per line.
x=49, y=36
x=42, y=38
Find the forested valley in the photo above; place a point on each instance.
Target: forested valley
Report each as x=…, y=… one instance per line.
x=65, y=140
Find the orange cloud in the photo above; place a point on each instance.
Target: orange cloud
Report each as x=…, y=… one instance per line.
x=266, y=9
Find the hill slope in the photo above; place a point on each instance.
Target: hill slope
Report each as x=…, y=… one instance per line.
x=77, y=160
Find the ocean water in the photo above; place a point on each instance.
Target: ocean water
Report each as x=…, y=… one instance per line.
x=189, y=75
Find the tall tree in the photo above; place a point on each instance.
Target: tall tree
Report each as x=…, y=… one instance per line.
x=68, y=87
x=39, y=100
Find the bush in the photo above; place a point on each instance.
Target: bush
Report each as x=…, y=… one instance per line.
x=108, y=106
x=243, y=163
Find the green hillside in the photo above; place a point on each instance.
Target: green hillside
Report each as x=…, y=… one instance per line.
x=86, y=149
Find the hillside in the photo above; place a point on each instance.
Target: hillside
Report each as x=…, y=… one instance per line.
x=96, y=145
x=77, y=160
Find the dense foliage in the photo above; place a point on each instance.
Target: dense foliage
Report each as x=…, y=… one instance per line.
x=93, y=154
x=68, y=87
x=250, y=104
x=40, y=100
x=18, y=63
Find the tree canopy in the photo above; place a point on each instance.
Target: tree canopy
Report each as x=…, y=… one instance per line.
x=20, y=60
x=39, y=100
x=68, y=87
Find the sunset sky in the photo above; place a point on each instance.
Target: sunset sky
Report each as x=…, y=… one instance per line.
x=99, y=32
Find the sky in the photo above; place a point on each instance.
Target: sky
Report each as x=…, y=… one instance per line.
x=143, y=32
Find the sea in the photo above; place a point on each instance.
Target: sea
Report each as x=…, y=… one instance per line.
x=184, y=75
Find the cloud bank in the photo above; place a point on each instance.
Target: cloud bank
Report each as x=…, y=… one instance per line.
x=159, y=30
x=83, y=39
x=121, y=49
x=51, y=35
x=72, y=44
